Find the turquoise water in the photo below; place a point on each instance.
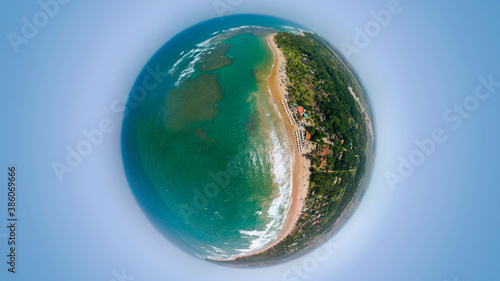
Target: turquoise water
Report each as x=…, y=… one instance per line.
x=205, y=151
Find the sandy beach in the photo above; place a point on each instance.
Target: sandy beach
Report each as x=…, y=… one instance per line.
x=301, y=165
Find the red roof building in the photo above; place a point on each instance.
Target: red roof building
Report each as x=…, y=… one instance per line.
x=308, y=136
x=324, y=150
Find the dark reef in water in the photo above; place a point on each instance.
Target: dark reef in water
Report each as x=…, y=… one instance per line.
x=216, y=59
x=193, y=101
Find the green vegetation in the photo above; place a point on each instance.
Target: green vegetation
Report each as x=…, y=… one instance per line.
x=319, y=81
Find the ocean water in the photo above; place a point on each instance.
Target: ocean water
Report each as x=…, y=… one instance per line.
x=204, y=149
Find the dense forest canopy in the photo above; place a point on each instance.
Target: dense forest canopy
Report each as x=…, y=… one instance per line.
x=319, y=81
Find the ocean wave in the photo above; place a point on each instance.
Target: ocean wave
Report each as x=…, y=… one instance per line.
x=245, y=28
x=189, y=59
x=214, y=253
x=294, y=30
x=277, y=153
x=278, y=210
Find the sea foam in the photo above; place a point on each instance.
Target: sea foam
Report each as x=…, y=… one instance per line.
x=278, y=210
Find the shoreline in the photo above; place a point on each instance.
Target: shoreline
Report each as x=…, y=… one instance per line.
x=277, y=82
x=300, y=181
x=301, y=165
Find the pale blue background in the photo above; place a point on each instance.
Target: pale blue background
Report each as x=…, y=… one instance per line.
x=441, y=223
